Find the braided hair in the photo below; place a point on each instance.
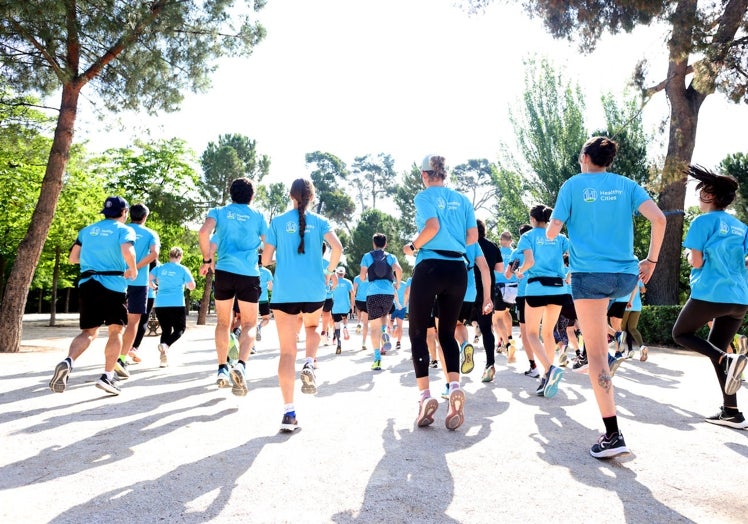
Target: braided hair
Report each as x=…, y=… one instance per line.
x=302, y=191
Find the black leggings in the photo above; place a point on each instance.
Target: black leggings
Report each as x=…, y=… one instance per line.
x=727, y=319
x=485, y=323
x=173, y=322
x=444, y=281
x=142, y=324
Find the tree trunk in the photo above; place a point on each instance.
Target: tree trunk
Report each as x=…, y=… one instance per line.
x=685, y=102
x=30, y=248
x=55, y=279
x=67, y=299
x=40, y=301
x=205, y=301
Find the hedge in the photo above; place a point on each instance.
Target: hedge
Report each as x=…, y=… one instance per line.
x=656, y=325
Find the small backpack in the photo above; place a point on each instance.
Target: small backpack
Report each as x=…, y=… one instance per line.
x=380, y=269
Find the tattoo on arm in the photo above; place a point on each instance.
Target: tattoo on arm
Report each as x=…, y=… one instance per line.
x=605, y=381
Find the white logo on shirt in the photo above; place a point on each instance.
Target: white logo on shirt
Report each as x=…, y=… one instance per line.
x=291, y=227
x=589, y=195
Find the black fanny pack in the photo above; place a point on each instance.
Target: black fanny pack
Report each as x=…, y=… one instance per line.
x=450, y=254
x=547, y=281
x=91, y=272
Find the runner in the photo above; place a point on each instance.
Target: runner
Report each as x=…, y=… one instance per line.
x=342, y=301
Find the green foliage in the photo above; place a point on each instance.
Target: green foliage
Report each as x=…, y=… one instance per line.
x=373, y=221
x=475, y=179
x=374, y=177
x=272, y=198
x=656, y=325
x=234, y=156
x=405, y=195
x=134, y=54
x=549, y=128
x=511, y=210
x=737, y=165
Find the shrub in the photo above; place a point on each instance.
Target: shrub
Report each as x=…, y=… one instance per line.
x=656, y=325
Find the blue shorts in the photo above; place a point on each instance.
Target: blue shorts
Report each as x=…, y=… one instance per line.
x=398, y=313
x=602, y=285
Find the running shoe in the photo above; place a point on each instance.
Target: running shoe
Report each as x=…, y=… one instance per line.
x=476, y=339
x=222, y=379
x=551, y=385
x=563, y=359
x=120, y=368
x=386, y=344
x=107, y=385
x=742, y=348
x=358, y=329
x=308, y=380
x=532, y=372
x=581, y=365
x=434, y=364
x=289, y=424
x=541, y=387
x=133, y=354
x=163, y=360
x=466, y=358
x=338, y=350
x=238, y=382
x=488, y=374
x=455, y=415
x=60, y=378
x=643, y=353
x=258, y=337
x=363, y=348
x=734, y=366
x=609, y=446
x=376, y=365
x=426, y=409
x=397, y=345
x=445, y=393
x=614, y=363
x=736, y=421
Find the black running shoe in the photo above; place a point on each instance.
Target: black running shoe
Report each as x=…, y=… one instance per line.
x=289, y=424
x=609, y=446
x=736, y=421
x=108, y=385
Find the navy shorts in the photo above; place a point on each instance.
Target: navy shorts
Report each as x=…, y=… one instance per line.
x=137, y=300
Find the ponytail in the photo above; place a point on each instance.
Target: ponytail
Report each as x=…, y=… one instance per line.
x=302, y=191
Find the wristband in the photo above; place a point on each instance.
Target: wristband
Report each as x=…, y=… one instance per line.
x=651, y=261
x=207, y=261
x=412, y=246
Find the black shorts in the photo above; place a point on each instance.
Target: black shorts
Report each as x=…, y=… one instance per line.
x=296, y=308
x=264, y=309
x=520, y=309
x=616, y=310
x=361, y=305
x=99, y=305
x=327, y=305
x=339, y=317
x=242, y=287
x=137, y=300
x=498, y=302
x=546, y=300
x=568, y=310
x=466, y=313
x=379, y=305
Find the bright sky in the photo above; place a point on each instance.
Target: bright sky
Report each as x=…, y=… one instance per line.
x=405, y=78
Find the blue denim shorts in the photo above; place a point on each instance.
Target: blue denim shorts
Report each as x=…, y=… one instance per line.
x=602, y=285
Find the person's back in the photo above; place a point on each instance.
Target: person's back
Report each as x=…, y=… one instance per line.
x=238, y=233
x=100, y=251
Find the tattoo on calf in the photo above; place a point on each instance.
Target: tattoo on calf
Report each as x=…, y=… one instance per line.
x=605, y=381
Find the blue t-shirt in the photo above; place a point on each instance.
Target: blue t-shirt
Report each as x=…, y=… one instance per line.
x=298, y=277
x=380, y=286
x=506, y=252
x=361, y=286
x=548, y=258
x=471, y=292
x=172, y=278
x=404, y=285
x=238, y=233
x=519, y=256
x=636, y=303
x=266, y=277
x=341, y=296
x=723, y=241
x=456, y=215
x=598, y=209
x=144, y=239
x=101, y=250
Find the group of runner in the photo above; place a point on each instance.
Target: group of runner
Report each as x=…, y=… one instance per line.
x=454, y=282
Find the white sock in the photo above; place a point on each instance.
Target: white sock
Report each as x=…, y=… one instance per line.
x=309, y=360
x=288, y=408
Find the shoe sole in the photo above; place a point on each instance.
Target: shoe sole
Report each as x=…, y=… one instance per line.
x=733, y=380
x=308, y=385
x=643, y=355
x=467, y=363
x=728, y=423
x=106, y=387
x=551, y=387
x=615, y=365
x=563, y=359
x=426, y=413
x=121, y=372
x=289, y=428
x=223, y=382
x=610, y=453
x=59, y=381
x=742, y=345
x=338, y=350
x=489, y=377
x=531, y=375
x=455, y=417
x=238, y=383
